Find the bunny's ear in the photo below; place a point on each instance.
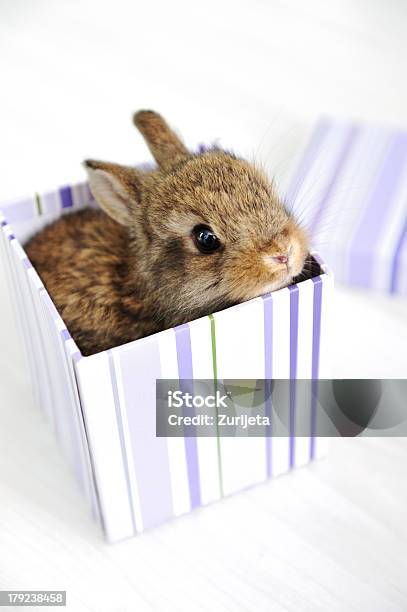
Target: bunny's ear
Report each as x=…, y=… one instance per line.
x=116, y=188
x=163, y=143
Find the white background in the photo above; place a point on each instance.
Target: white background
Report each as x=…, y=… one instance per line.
x=251, y=75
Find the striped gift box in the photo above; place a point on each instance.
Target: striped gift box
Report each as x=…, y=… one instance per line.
x=351, y=187
x=102, y=407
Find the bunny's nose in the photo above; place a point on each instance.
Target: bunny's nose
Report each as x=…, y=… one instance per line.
x=282, y=259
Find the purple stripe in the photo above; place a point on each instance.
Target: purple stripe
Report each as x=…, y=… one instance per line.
x=377, y=211
x=294, y=299
x=185, y=373
x=11, y=237
x=395, y=271
x=140, y=368
x=66, y=197
x=121, y=435
x=49, y=201
x=268, y=373
x=316, y=340
x=3, y=223
x=318, y=136
x=56, y=316
x=27, y=263
x=338, y=169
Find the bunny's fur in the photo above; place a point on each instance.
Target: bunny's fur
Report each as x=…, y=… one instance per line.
x=136, y=270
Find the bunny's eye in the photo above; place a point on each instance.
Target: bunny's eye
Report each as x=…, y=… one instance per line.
x=205, y=239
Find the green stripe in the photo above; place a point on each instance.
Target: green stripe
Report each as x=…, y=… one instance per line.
x=213, y=338
x=215, y=384
x=38, y=203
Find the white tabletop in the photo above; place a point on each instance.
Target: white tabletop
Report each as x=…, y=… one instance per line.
x=332, y=536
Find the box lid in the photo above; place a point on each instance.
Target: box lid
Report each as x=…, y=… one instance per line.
x=350, y=191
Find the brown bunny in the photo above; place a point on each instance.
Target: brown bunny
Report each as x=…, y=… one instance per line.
x=201, y=232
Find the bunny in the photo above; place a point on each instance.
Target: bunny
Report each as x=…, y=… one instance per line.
x=198, y=233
